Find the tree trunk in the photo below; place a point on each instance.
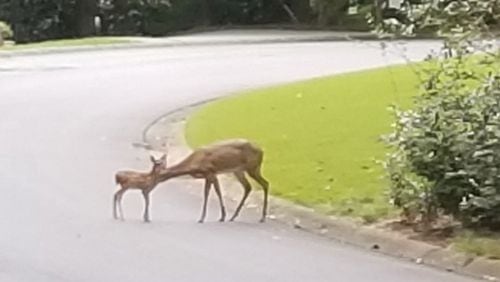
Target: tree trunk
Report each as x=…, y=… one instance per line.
x=302, y=10
x=120, y=5
x=205, y=11
x=1, y=38
x=85, y=12
x=377, y=6
x=15, y=20
x=323, y=12
x=331, y=11
x=289, y=12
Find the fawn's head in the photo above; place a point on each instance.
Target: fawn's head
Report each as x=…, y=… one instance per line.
x=159, y=164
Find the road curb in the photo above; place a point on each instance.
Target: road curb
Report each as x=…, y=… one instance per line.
x=170, y=127
x=176, y=42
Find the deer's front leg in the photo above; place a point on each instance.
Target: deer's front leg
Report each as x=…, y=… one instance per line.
x=208, y=185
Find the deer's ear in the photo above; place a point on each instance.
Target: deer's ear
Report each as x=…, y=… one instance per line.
x=152, y=159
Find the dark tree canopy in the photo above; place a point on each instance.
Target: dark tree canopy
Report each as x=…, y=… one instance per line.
x=36, y=20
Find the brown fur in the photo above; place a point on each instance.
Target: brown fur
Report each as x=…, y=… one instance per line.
x=144, y=181
x=230, y=156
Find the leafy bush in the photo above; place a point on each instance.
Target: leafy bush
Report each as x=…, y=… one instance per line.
x=5, y=30
x=446, y=155
x=163, y=17
x=38, y=20
x=247, y=12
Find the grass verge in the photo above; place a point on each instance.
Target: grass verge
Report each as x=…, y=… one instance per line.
x=321, y=137
x=321, y=141
x=89, y=41
x=479, y=244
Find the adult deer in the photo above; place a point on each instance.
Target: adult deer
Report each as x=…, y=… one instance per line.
x=144, y=181
x=236, y=156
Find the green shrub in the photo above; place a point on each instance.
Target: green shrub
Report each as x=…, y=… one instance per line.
x=447, y=149
x=5, y=30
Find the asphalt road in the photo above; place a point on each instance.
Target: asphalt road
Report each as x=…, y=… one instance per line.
x=67, y=123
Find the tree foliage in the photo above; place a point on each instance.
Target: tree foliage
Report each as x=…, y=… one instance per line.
x=162, y=17
x=36, y=20
x=446, y=17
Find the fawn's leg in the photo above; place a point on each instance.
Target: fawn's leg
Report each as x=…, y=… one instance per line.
x=145, y=194
x=117, y=203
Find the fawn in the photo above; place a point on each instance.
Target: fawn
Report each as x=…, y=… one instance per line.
x=144, y=181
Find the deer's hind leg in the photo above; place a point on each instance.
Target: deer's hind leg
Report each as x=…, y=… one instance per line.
x=240, y=176
x=257, y=175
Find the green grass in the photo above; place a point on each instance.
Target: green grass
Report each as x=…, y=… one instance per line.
x=320, y=137
x=89, y=41
x=486, y=245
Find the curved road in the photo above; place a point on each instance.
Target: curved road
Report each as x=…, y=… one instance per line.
x=67, y=124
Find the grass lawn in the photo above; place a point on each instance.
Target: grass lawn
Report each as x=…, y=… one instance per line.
x=320, y=137
x=68, y=42
x=487, y=244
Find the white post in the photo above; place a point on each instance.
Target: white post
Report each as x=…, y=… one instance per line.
x=395, y=4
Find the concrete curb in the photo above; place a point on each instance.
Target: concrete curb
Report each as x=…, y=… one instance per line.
x=170, y=127
x=178, y=43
